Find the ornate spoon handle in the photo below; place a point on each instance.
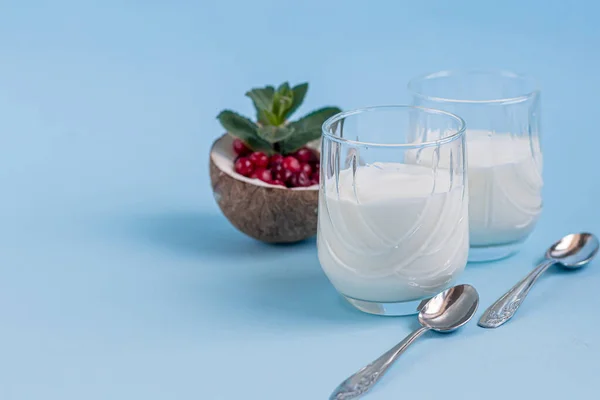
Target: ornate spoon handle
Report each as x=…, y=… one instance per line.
x=506, y=306
x=365, y=378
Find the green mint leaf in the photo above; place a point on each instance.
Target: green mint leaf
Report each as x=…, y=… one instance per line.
x=285, y=100
x=298, y=140
x=270, y=118
x=262, y=97
x=281, y=105
x=241, y=127
x=263, y=100
x=315, y=119
x=299, y=94
x=274, y=134
x=307, y=129
x=276, y=109
x=284, y=89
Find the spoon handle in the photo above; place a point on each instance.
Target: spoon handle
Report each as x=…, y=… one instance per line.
x=365, y=378
x=506, y=306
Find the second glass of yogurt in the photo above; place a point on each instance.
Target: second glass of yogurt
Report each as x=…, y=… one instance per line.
x=502, y=113
x=393, y=206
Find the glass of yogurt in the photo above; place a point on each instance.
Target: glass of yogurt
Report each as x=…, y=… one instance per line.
x=393, y=206
x=502, y=112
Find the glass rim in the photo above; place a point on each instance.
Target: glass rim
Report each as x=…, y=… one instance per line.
x=460, y=132
x=499, y=72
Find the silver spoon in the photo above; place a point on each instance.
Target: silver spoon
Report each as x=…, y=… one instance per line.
x=444, y=312
x=571, y=252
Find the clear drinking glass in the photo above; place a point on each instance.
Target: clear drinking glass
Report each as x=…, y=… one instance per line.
x=393, y=225
x=502, y=113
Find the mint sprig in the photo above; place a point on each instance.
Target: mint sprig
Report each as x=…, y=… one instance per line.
x=273, y=131
x=241, y=127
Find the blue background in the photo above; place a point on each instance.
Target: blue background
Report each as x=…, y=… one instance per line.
x=120, y=279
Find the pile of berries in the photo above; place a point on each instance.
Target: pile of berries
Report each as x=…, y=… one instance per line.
x=299, y=169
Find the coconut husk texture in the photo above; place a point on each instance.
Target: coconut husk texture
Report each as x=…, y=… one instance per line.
x=265, y=212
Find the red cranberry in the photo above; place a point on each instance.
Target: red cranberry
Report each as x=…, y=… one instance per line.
x=300, y=179
x=259, y=159
x=315, y=177
x=277, y=182
x=303, y=179
x=287, y=174
x=307, y=168
x=240, y=148
x=263, y=174
x=276, y=167
x=292, y=181
x=281, y=174
x=306, y=155
x=292, y=164
x=244, y=166
x=275, y=159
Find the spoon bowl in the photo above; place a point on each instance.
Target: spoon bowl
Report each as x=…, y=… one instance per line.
x=444, y=312
x=575, y=250
x=450, y=309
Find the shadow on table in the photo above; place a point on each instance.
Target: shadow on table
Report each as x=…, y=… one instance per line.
x=282, y=284
x=302, y=292
x=209, y=235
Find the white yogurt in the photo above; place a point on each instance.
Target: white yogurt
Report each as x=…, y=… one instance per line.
x=505, y=185
x=398, y=234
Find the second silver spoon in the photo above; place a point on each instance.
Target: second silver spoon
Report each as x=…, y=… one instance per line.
x=571, y=252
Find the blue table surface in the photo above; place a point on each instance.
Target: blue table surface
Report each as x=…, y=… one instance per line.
x=119, y=277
